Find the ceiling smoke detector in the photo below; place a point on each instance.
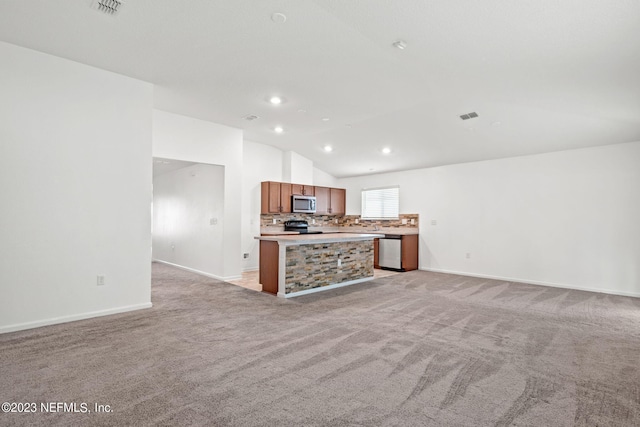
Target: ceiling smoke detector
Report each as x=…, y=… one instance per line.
x=279, y=18
x=469, y=116
x=109, y=7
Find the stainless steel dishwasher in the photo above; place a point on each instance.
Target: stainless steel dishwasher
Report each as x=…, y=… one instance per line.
x=390, y=252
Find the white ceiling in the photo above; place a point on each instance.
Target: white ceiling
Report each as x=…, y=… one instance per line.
x=555, y=75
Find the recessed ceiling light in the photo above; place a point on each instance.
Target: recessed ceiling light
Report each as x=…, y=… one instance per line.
x=400, y=44
x=348, y=125
x=275, y=100
x=278, y=129
x=328, y=148
x=494, y=124
x=279, y=18
x=325, y=119
x=302, y=110
x=386, y=150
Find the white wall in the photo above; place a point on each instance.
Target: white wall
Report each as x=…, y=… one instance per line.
x=185, y=138
x=567, y=219
x=323, y=179
x=188, y=206
x=296, y=168
x=260, y=163
x=75, y=168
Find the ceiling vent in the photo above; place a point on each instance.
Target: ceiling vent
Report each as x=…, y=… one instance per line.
x=251, y=117
x=109, y=7
x=469, y=116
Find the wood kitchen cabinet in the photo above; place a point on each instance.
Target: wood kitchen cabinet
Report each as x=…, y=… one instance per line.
x=338, y=201
x=330, y=200
x=323, y=198
x=305, y=190
x=409, y=252
x=276, y=197
x=376, y=253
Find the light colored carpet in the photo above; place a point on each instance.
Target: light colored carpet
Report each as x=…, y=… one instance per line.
x=411, y=349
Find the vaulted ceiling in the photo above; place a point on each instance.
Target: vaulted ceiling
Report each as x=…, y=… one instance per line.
x=542, y=75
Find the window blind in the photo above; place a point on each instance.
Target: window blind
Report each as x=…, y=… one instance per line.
x=381, y=203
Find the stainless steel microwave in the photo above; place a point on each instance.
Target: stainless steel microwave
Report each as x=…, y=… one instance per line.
x=304, y=204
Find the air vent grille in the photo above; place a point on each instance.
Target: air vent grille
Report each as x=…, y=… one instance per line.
x=469, y=116
x=251, y=117
x=109, y=6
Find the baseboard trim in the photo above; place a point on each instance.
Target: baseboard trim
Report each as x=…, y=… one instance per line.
x=65, y=319
x=536, y=282
x=201, y=273
x=324, y=288
x=247, y=270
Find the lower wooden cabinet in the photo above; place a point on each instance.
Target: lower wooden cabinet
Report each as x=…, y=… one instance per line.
x=410, y=252
x=376, y=253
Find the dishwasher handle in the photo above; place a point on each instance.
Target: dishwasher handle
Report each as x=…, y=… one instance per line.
x=393, y=236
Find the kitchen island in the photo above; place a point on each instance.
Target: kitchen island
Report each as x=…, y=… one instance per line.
x=299, y=264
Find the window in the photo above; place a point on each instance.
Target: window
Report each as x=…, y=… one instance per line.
x=380, y=203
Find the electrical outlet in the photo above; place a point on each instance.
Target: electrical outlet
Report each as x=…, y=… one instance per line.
x=434, y=222
x=213, y=221
x=336, y=220
x=313, y=221
x=468, y=255
x=245, y=255
x=404, y=221
x=413, y=221
x=339, y=262
x=101, y=281
x=357, y=221
x=275, y=221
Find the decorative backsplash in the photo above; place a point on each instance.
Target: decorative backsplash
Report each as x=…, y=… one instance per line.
x=350, y=221
x=266, y=220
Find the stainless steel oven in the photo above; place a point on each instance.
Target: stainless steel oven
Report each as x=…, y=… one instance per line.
x=304, y=204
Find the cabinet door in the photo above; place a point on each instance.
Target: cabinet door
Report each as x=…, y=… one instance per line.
x=285, y=197
x=323, y=199
x=376, y=253
x=337, y=204
x=270, y=197
x=305, y=190
x=410, y=252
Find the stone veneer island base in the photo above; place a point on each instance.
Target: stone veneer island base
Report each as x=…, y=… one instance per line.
x=293, y=265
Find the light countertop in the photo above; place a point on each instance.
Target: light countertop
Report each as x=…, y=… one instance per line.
x=404, y=231
x=305, y=239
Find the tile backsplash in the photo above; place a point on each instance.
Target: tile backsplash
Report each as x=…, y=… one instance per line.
x=350, y=221
x=266, y=220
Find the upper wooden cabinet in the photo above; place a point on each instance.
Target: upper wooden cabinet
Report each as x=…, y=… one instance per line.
x=323, y=198
x=275, y=197
x=305, y=190
x=338, y=201
x=330, y=201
